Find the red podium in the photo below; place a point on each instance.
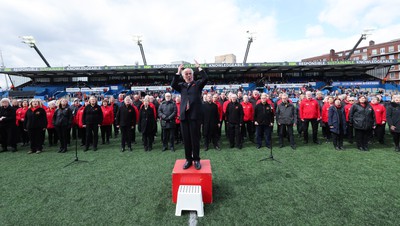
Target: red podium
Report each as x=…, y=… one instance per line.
x=191, y=176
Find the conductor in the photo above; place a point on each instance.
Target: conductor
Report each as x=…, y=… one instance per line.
x=190, y=111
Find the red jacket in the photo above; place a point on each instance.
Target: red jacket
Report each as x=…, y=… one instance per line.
x=178, y=112
x=79, y=116
x=108, y=115
x=20, y=115
x=248, y=112
x=309, y=109
x=50, y=114
x=225, y=105
x=137, y=113
x=220, y=111
x=380, y=113
x=325, y=110
x=347, y=111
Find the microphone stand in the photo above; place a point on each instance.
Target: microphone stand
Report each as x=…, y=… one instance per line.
x=76, y=160
x=271, y=156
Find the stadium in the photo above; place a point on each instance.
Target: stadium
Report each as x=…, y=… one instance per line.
x=313, y=141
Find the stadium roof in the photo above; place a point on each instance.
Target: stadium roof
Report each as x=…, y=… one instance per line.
x=350, y=66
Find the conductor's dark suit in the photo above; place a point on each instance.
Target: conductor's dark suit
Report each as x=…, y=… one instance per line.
x=191, y=117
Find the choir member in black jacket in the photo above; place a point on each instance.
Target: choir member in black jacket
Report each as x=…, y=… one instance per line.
x=234, y=119
x=210, y=123
x=393, y=120
x=91, y=120
x=35, y=123
x=167, y=113
x=147, y=124
x=126, y=120
x=264, y=121
x=7, y=125
x=62, y=121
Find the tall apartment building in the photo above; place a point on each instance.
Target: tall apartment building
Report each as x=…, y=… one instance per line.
x=381, y=51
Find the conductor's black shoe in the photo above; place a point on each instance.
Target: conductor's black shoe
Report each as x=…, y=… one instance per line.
x=187, y=164
x=197, y=165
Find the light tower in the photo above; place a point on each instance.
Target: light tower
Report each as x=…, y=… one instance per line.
x=138, y=39
x=251, y=38
x=30, y=41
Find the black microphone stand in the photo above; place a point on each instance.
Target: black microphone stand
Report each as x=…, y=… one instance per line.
x=271, y=156
x=76, y=160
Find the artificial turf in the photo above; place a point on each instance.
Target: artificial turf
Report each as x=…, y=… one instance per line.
x=314, y=185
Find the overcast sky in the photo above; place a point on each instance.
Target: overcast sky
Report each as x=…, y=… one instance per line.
x=99, y=32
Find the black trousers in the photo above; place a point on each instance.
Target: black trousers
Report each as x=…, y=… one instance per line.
x=396, y=138
x=126, y=136
x=337, y=139
x=211, y=136
x=62, y=132
x=362, y=137
x=36, y=137
x=234, y=135
x=8, y=135
x=247, y=130
x=92, y=135
x=300, y=127
x=350, y=132
x=74, y=132
x=116, y=129
x=314, y=125
x=379, y=133
x=148, y=140
x=264, y=132
x=105, y=132
x=191, y=139
x=23, y=133
x=168, y=136
x=52, y=135
x=133, y=134
x=289, y=133
x=178, y=134
x=326, y=131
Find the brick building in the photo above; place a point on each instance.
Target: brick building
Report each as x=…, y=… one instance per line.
x=381, y=51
